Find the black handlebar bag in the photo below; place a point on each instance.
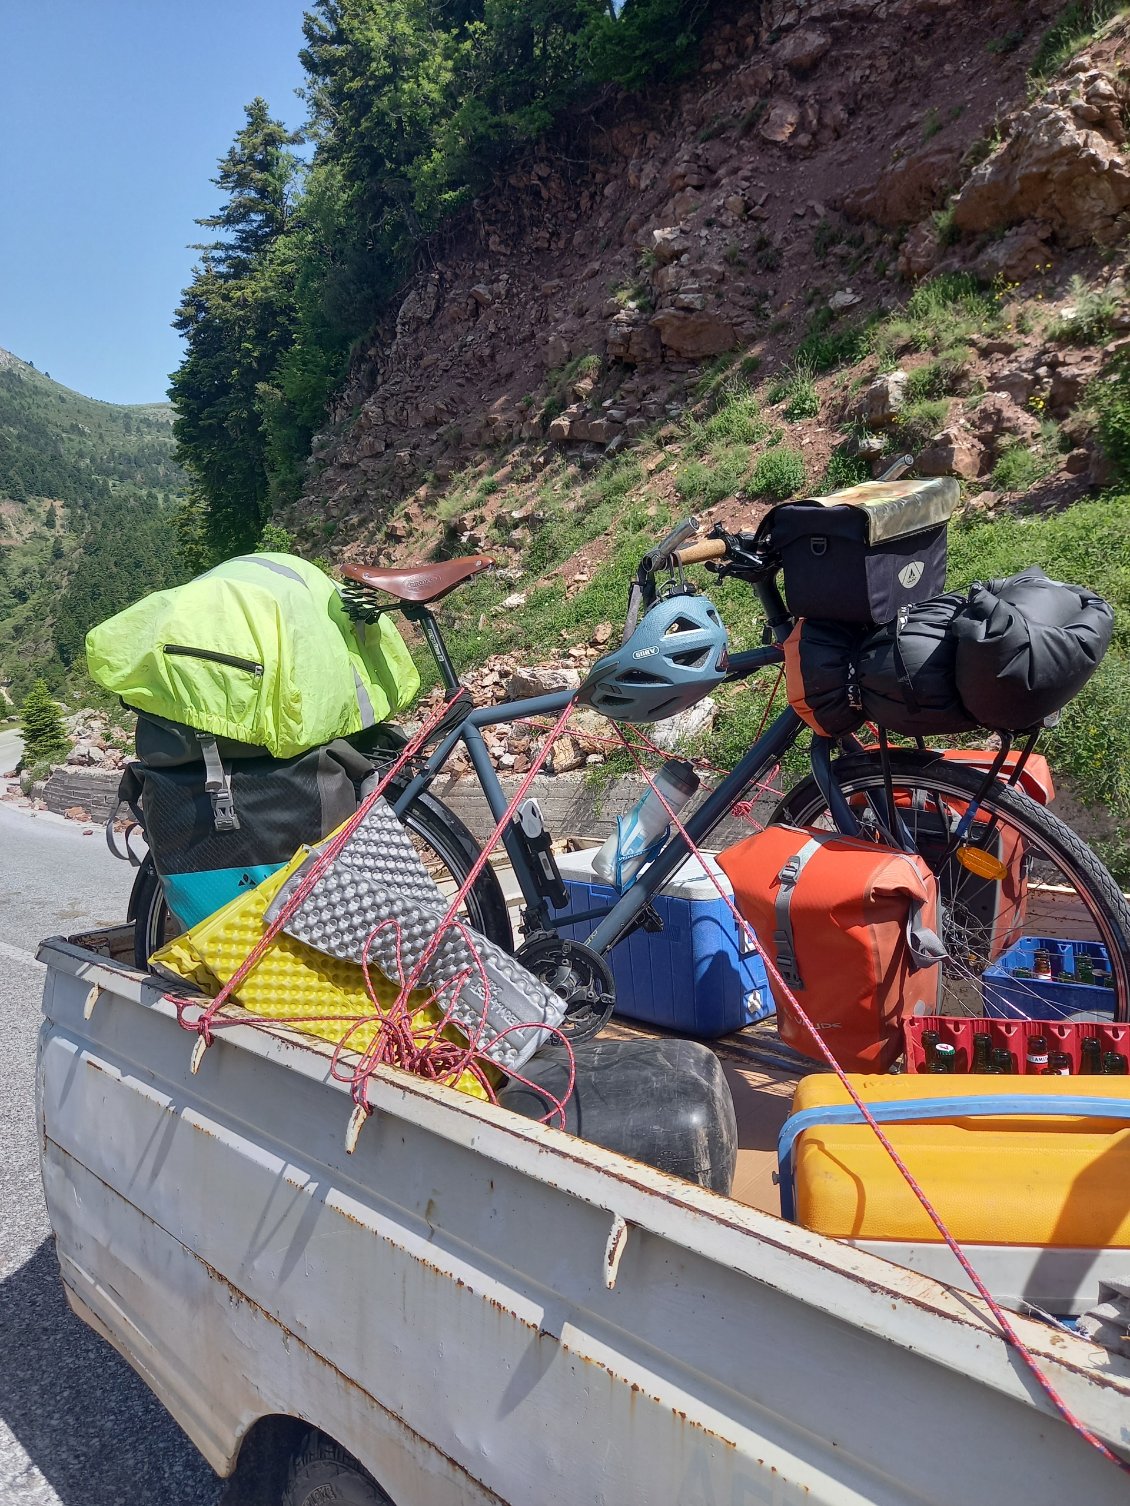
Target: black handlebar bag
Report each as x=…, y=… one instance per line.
x=861, y=554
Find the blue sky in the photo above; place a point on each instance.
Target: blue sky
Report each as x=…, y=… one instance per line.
x=115, y=113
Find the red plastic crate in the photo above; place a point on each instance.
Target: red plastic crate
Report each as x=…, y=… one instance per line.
x=1013, y=1035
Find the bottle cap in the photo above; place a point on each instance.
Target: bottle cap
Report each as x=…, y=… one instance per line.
x=679, y=773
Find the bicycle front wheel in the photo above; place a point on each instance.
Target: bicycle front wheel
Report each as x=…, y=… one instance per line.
x=1033, y=877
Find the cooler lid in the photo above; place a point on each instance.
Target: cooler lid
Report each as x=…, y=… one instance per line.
x=689, y=881
x=893, y=509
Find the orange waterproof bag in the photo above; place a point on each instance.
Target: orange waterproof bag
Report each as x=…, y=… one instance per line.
x=851, y=928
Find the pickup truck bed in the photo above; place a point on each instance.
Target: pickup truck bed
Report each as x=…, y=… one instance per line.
x=482, y=1309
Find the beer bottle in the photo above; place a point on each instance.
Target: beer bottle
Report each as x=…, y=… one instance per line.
x=929, y=1042
x=1037, y=1058
x=1042, y=963
x=1060, y=1065
x=1085, y=968
x=1114, y=1064
x=945, y=1057
x=1091, y=1056
x=982, y=1045
x=1002, y=1060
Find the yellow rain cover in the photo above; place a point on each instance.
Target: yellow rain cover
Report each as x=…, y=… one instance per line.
x=293, y=983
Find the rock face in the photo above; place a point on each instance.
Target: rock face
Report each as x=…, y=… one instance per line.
x=907, y=192
x=694, y=334
x=1061, y=164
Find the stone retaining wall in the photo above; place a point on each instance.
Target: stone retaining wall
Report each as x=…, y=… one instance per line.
x=571, y=804
x=95, y=790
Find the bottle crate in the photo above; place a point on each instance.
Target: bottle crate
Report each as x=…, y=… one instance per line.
x=1013, y=1036
x=1008, y=997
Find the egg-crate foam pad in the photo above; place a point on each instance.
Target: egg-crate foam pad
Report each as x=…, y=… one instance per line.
x=378, y=876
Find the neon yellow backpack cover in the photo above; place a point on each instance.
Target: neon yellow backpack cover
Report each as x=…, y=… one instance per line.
x=259, y=649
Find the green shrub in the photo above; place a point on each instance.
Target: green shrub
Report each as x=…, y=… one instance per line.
x=1093, y=319
x=737, y=421
x=1110, y=399
x=779, y=473
x=939, y=378
x=824, y=348
x=918, y=422
x=844, y=470
x=796, y=389
x=1018, y=468
x=707, y=484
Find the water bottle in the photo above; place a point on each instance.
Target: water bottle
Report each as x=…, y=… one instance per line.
x=642, y=832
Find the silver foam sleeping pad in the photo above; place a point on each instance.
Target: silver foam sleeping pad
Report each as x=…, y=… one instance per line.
x=378, y=876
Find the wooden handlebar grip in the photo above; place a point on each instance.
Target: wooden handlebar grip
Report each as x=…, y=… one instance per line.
x=694, y=554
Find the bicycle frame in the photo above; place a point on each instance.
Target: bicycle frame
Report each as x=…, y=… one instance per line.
x=769, y=748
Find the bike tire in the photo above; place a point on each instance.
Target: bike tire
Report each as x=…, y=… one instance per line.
x=446, y=847
x=1049, y=839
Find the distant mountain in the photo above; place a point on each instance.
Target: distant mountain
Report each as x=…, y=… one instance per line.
x=88, y=494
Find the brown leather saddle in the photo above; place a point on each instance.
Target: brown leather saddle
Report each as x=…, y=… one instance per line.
x=419, y=583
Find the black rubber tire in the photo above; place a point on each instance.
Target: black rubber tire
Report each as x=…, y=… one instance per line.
x=1094, y=885
x=323, y=1474
x=427, y=818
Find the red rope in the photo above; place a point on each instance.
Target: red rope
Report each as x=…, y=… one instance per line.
x=399, y=1040
x=1007, y=1329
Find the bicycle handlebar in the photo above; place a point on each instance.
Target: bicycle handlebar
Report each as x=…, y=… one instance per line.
x=694, y=554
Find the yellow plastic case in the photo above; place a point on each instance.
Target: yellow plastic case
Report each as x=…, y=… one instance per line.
x=1054, y=1179
x=293, y=983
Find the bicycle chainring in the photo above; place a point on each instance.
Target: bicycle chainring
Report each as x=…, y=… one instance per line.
x=576, y=974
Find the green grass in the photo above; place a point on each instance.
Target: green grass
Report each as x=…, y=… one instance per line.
x=824, y=347
x=736, y=420
x=1018, y=468
x=931, y=124
x=941, y=377
x=1074, y=27
x=844, y=470
x=797, y=390
x=1090, y=545
x=1093, y=320
x=702, y=484
x=779, y=473
x=918, y=422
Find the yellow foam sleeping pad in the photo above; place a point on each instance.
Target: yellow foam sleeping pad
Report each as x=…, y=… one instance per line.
x=294, y=984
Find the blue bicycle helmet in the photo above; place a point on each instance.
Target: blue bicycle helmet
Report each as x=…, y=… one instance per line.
x=676, y=656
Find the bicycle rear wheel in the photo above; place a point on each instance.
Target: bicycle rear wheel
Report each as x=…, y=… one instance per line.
x=1055, y=885
x=445, y=847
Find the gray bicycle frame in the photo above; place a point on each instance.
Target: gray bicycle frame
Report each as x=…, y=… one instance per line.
x=769, y=748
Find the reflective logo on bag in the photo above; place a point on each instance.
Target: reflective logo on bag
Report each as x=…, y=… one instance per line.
x=911, y=574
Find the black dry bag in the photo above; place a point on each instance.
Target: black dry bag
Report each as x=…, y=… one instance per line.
x=906, y=672
x=1026, y=646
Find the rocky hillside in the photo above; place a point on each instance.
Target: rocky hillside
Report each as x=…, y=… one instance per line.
x=766, y=224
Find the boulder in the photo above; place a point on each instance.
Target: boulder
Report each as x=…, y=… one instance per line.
x=998, y=421
x=1018, y=254
x=541, y=680
x=906, y=192
x=559, y=430
x=671, y=733
x=950, y=453
x=1068, y=385
x=780, y=120
x=801, y=49
x=631, y=339
x=1054, y=168
x=694, y=334
x=881, y=402
x=919, y=252
x=668, y=244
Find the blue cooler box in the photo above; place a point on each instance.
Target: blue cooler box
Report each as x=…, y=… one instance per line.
x=697, y=975
x=1010, y=998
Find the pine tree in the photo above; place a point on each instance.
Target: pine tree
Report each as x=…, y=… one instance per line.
x=42, y=727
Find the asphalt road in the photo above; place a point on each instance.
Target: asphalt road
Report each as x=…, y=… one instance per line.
x=76, y=1425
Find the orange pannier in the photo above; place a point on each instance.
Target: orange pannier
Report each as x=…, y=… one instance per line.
x=852, y=930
